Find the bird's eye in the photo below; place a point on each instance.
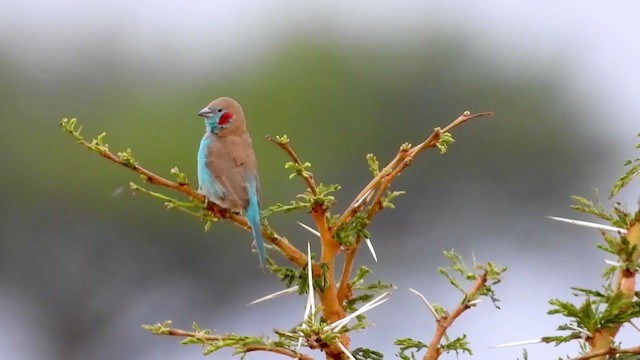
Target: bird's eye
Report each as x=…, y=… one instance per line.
x=219, y=110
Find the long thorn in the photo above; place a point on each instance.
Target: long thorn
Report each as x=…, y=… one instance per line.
x=362, y=310
x=363, y=198
x=612, y=263
x=582, y=331
x=310, y=308
x=589, y=224
x=518, y=343
x=345, y=351
x=371, y=249
x=313, y=231
x=429, y=306
x=368, y=306
x=275, y=295
x=311, y=300
x=474, y=302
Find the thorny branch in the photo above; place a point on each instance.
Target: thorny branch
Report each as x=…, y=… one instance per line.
x=445, y=321
x=332, y=298
x=248, y=348
x=381, y=182
x=308, y=177
x=399, y=163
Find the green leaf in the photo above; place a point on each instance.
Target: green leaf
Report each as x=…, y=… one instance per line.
x=159, y=328
x=625, y=179
x=298, y=169
x=374, y=166
x=411, y=345
x=458, y=344
x=366, y=354
x=180, y=176
x=356, y=228
x=127, y=158
x=405, y=147
x=386, y=200
x=444, y=141
x=282, y=139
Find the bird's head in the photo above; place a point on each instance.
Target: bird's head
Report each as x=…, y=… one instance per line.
x=223, y=116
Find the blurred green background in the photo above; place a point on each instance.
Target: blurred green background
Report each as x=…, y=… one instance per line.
x=83, y=262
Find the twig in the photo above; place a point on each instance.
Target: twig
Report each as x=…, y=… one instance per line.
x=609, y=351
x=344, y=291
x=308, y=178
x=444, y=321
x=248, y=348
x=381, y=182
x=183, y=333
x=277, y=350
x=401, y=161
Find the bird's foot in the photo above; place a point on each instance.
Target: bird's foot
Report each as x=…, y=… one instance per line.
x=206, y=199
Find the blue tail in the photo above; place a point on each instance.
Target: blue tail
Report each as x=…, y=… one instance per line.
x=253, y=217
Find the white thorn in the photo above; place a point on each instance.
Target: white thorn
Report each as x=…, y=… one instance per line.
x=474, y=302
x=370, y=195
x=345, y=351
x=310, y=308
x=613, y=263
x=636, y=326
x=589, y=224
x=312, y=295
x=363, y=198
x=368, y=306
x=275, y=295
x=371, y=306
x=424, y=299
x=313, y=231
x=371, y=249
x=582, y=331
x=518, y=343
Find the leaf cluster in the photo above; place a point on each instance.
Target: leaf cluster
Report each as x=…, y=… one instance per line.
x=459, y=270
x=633, y=170
x=307, y=200
x=599, y=310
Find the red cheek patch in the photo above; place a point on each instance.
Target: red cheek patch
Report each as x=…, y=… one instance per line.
x=225, y=118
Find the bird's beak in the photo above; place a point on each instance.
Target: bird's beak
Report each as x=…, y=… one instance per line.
x=206, y=112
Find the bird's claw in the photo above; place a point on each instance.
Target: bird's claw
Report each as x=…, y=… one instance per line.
x=206, y=199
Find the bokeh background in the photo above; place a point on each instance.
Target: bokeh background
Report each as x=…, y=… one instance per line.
x=83, y=262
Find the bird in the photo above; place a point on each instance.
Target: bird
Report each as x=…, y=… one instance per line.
x=227, y=166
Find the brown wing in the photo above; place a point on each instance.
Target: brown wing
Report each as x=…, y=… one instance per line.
x=233, y=163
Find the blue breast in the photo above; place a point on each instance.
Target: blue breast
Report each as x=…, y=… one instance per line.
x=208, y=184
